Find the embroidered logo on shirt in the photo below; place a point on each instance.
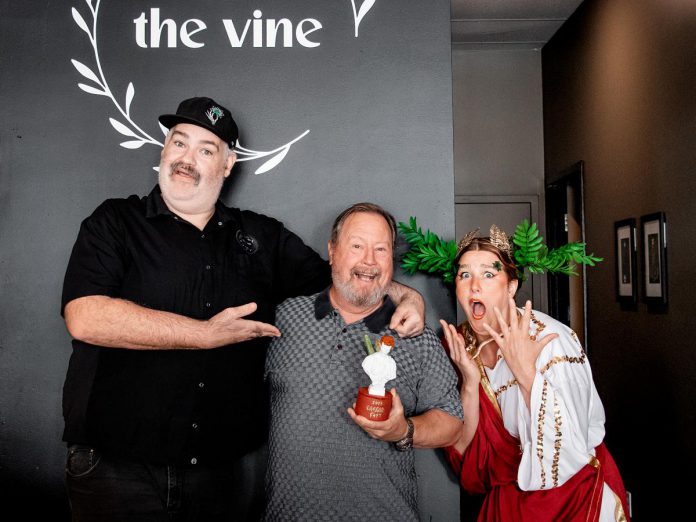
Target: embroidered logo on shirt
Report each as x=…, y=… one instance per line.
x=214, y=114
x=248, y=242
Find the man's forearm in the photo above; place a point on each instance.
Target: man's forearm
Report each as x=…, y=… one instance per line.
x=117, y=323
x=435, y=429
x=399, y=292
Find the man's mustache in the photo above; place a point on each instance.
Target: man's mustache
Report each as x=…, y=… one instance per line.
x=189, y=169
x=368, y=271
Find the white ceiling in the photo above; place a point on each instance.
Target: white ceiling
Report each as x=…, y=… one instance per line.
x=490, y=24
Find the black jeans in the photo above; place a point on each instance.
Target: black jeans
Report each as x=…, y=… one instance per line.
x=105, y=490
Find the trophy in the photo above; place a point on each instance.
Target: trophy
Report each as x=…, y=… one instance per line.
x=373, y=402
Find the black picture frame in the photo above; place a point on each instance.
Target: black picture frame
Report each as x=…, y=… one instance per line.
x=654, y=258
x=626, y=261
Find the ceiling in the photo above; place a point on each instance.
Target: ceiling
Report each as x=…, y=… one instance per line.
x=499, y=24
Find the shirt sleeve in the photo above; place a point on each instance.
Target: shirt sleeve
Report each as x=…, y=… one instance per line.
x=438, y=384
x=299, y=270
x=98, y=259
x=565, y=421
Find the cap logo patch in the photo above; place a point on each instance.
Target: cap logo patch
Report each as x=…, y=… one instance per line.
x=214, y=114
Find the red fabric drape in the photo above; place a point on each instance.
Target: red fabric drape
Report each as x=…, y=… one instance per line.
x=490, y=463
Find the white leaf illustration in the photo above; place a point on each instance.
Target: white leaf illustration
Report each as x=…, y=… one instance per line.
x=272, y=162
x=86, y=72
x=135, y=144
x=130, y=92
x=91, y=90
x=364, y=8
x=120, y=127
x=132, y=130
x=81, y=22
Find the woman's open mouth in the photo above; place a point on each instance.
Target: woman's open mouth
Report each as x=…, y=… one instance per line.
x=478, y=309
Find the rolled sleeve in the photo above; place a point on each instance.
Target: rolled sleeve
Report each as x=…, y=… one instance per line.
x=97, y=261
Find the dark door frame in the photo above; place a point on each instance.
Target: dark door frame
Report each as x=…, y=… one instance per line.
x=556, y=198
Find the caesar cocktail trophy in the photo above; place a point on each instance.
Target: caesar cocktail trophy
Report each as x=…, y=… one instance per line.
x=373, y=401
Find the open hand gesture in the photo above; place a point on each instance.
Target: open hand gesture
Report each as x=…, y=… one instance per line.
x=460, y=357
x=519, y=350
x=230, y=326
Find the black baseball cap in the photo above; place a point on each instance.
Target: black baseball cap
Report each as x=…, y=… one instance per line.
x=206, y=113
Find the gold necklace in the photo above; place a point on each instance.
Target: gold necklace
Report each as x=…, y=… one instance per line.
x=471, y=346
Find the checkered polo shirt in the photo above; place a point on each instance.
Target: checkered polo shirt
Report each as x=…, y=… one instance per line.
x=322, y=465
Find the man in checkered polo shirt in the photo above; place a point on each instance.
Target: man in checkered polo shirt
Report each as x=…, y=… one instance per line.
x=327, y=463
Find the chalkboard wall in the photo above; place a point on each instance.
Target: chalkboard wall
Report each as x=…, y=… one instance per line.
x=337, y=102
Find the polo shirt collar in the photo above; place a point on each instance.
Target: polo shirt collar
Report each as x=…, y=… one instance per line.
x=375, y=322
x=155, y=206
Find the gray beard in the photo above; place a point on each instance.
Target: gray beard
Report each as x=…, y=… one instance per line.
x=363, y=299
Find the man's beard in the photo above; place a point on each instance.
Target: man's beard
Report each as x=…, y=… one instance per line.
x=363, y=299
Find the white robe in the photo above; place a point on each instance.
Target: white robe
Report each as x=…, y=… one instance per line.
x=565, y=421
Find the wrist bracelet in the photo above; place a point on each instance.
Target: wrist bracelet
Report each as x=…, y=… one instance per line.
x=406, y=443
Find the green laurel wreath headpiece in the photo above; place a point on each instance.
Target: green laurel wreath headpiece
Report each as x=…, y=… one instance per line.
x=430, y=253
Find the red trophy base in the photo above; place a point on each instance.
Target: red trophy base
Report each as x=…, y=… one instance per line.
x=373, y=407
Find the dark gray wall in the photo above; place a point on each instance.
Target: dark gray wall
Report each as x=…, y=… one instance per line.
x=619, y=84
x=499, y=145
x=498, y=122
x=378, y=108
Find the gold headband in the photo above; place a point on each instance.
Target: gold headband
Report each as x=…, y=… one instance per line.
x=498, y=239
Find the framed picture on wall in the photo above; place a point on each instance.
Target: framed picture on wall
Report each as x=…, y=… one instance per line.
x=654, y=257
x=626, y=276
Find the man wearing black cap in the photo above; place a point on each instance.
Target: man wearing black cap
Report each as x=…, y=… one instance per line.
x=170, y=300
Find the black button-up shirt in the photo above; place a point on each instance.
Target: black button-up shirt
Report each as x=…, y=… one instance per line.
x=179, y=406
